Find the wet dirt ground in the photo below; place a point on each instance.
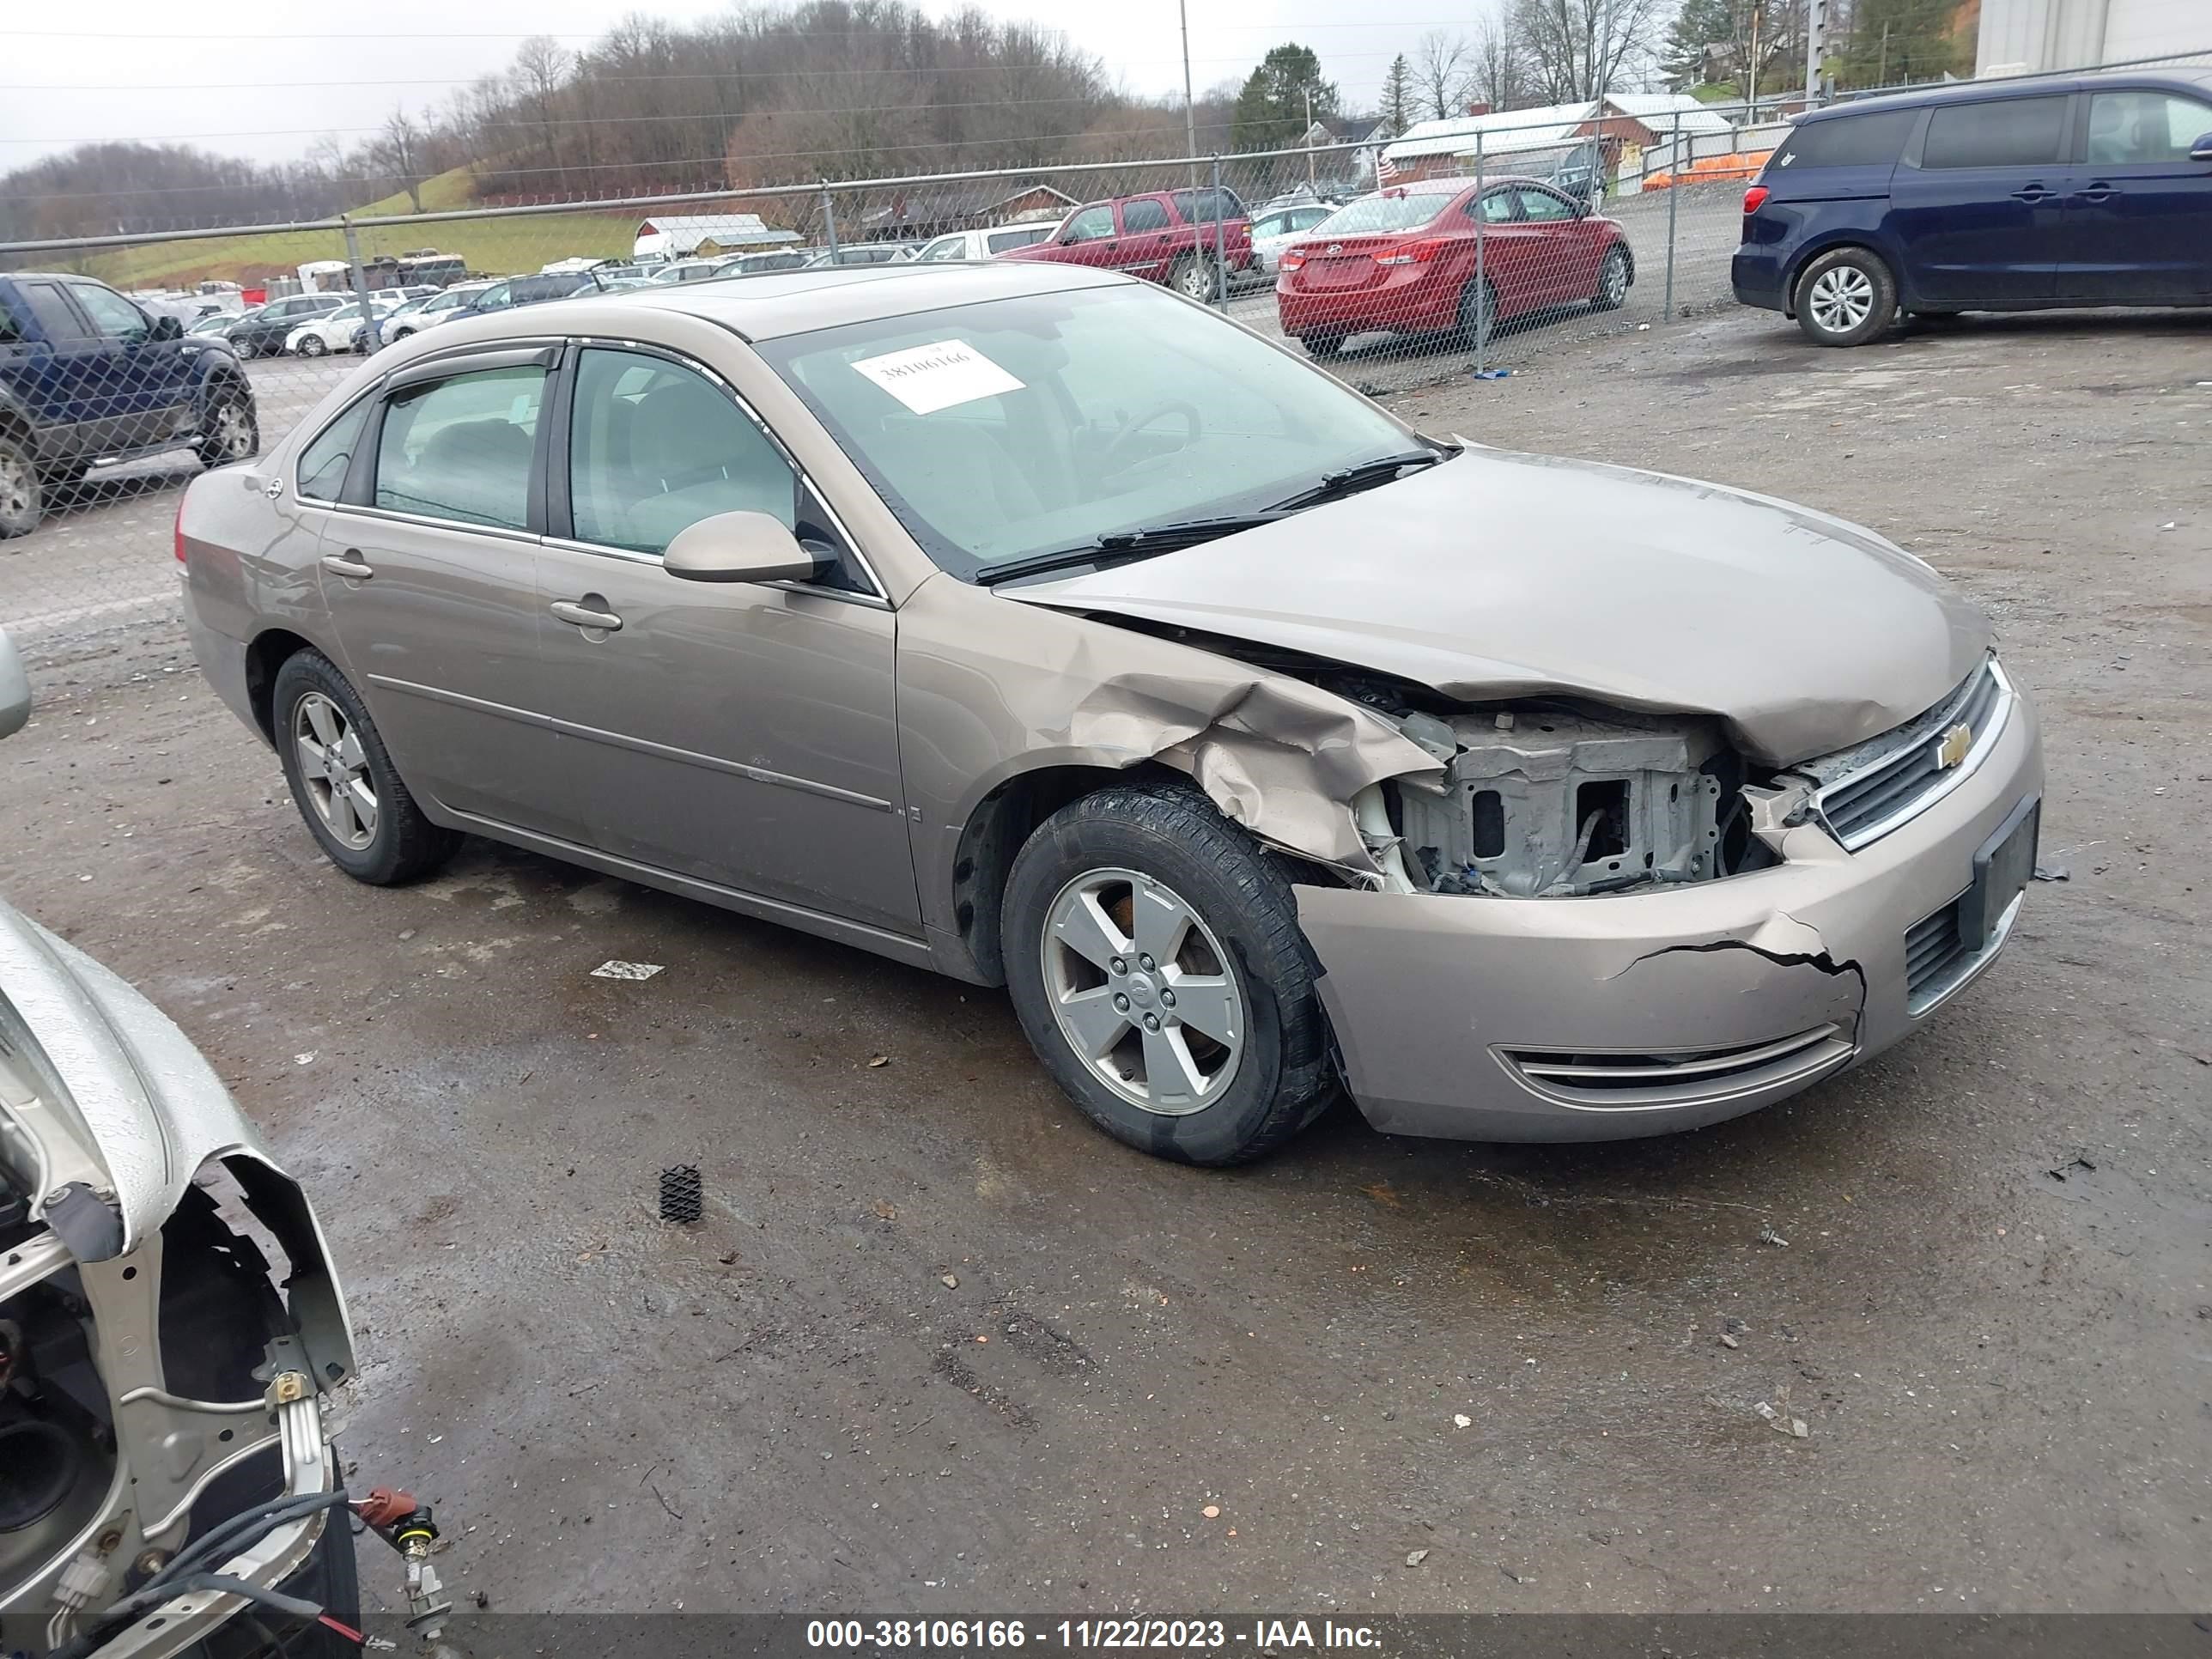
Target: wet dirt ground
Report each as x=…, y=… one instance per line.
x=940, y=1348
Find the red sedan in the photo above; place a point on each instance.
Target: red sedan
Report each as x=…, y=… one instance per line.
x=1404, y=259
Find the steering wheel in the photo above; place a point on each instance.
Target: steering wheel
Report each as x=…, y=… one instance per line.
x=1193, y=424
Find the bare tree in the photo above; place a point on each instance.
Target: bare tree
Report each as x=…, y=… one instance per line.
x=541, y=64
x=396, y=149
x=1441, y=65
x=1499, y=72
x=1579, y=49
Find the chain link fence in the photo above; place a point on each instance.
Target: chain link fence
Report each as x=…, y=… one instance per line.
x=1467, y=250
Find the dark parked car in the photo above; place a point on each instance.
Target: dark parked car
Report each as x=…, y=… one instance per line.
x=265, y=332
x=87, y=376
x=1405, y=261
x=2089, y=190
x=532, y=291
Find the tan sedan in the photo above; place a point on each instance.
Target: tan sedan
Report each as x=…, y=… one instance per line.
x=1037, y=626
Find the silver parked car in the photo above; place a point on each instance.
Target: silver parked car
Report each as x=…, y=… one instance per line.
x=1033, y=624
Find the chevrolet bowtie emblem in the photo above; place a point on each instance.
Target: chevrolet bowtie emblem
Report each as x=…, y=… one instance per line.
x=1953, y=747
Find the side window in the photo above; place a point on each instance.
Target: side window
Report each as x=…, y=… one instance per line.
x=1204, y=206
x=1275, y=224
x=2008, y=132
x=323, y=463
x=1000, y=241
x=57, y=318
x=1092, y=224
x=1851, y=140
x=1542, y=207
x=493, y=298
x=945, y=247
x=111, y=313
x=654, y=447
x=461, y=448
x=2128, y=127
x=11, y=330
x=1139, y=216
x=1500, y=207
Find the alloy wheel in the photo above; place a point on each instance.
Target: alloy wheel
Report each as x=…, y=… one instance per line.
x=1615, y=280
x=1197, y=281
x=1840, y=299
x=19, y=484
x=334, y=769
x=234, y=429
x=1143, y=991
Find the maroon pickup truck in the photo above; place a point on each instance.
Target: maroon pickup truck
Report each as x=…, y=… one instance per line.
x=1171, y=236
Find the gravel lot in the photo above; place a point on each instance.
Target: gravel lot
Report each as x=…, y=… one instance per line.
x=940, y=1348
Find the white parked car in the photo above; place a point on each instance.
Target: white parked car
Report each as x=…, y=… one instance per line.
x=441, y=307
x=983, y=243
x=331, y=331
x=1273, y=232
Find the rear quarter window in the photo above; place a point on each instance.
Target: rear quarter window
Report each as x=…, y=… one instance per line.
x=1998, y=133
x=1875, y=139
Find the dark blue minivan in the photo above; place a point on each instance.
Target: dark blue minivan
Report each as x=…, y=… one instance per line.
x=2086, y=190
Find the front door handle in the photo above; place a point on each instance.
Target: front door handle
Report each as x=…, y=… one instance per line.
x=583, y=616
x=349, y=564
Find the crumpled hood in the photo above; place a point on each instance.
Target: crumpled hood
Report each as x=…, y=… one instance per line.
x=153, y=1109
x=1500, y=576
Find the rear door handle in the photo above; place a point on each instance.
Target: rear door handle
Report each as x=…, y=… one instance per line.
x=2102, y=190
x=583, y=616
x=349, y=564
x=2035, y=192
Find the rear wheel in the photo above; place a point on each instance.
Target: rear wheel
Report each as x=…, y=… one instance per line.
x=313, y=346
x=1845, y=297
x=1478, y=314
x=1612, y=277
x=1193, y=277
x=228, y=429
x=1322, y=346
x=1155, y=961
x=244, y=349
x=22, y=496
x=342, y=779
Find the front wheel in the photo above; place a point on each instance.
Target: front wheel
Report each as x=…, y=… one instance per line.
x=22, y=496
x=1155, y=961
x=228, y=429
x=342, y=779
x=313, y=346
x=1845, y=297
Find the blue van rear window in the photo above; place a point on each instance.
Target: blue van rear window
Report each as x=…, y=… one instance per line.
x=1875, y=139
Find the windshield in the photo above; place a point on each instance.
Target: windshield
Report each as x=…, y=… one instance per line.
x=1403, y=210
x=1020, y=426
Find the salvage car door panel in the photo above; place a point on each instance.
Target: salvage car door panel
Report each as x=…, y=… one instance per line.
x=741, y=734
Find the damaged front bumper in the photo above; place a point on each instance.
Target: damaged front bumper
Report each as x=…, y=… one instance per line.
x=1601, y=1018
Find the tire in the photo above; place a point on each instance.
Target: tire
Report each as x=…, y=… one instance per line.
x=230, y=430
x=1225, y=908
x=391, y=843
x=1193, y=277
x=1478, y=314
x=22, y=495
x=244, y=350
x=313, y=346
x=1614, y=274
x=1845, y=297
x=1322, y=346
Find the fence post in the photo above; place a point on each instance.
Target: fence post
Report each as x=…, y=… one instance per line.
x=1674, y=197
x=1220, y=295
x=830, y=218
x=1483, y=307
x=371, y=334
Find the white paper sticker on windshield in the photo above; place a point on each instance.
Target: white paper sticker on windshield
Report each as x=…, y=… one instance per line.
x=926, y=379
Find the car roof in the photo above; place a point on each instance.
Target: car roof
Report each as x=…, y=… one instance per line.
x=783, y=302
x=2175, y=78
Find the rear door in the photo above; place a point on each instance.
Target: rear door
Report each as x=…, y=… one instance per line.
x=2138, y=224
x=1514, y=254
x=1566, y=253
x=428, y=573
x=1978, y=212
x=1150, y=240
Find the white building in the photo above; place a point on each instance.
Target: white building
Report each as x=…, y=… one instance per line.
x=2023, y=36
x=678, y=236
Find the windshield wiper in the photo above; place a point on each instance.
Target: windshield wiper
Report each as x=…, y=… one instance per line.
x=1365, y=476
x=1117, y=546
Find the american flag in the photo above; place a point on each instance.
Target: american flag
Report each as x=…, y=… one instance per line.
x=1385, y=168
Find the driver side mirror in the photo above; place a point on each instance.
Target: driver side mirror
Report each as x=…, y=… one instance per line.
x=739, y=547
x=167, y=328
x=2201, y=149
x=15, y=688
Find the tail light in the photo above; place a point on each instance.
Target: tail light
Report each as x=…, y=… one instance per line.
x=178, y=531
x=1294, y=260
x=1753, y=199
x=1413, y=253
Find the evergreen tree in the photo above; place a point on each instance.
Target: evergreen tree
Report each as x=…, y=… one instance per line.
x=1272, y=109
x=1398, y=96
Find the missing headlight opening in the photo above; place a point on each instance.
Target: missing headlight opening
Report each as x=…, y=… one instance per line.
x=1543, y=803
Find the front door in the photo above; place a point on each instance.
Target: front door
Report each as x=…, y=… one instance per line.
x=429, y=572
x=2139, y=219
x=153, y=379
x=743, y=735
x=1978, y=222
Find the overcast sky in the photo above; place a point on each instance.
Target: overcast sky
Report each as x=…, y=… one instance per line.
x=267, y=86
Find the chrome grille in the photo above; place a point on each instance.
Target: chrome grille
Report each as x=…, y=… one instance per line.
x=1679, y=1078
x=1869, y=791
